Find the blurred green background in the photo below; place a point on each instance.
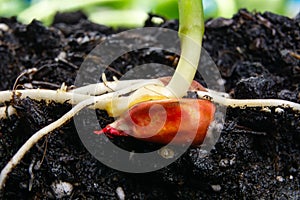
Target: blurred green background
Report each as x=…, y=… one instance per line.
x=133, y=13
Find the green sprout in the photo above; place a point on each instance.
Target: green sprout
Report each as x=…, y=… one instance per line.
x=191, y=30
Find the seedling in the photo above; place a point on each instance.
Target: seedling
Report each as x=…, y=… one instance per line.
x=142, y=95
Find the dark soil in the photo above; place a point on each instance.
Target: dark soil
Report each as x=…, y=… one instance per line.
x=257, y=156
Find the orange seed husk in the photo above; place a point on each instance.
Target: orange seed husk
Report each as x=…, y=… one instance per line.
x=162, y=121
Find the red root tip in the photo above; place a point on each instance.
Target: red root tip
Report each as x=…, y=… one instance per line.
x=110, y=132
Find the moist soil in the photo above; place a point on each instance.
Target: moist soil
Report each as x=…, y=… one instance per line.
x=256, y=157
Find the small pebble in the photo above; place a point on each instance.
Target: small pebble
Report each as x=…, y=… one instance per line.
x=216, y=188
x=120, y=193
x=232, y=161
x=83, y=40
x=266, y=109
x=62, y=55
x=3, y=27
x=166, y=153
x=224, y=163
x=96, y=185
x=62, y=189
x=279, y=178
x=279, y=110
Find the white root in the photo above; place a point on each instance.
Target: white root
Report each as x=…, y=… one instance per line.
x=74, y=96
x=99, y=101
x=101, y=88
x=222, y=94
x=245, y=103
x=118, y=100
x=78, y=94
x=57, y=96
x=37, y=136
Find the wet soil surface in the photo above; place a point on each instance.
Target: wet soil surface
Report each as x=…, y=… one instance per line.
x=256, y=157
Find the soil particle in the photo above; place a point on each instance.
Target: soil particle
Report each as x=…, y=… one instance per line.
x=257, y=154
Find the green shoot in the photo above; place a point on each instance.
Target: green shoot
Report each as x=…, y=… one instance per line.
x=191, y=30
